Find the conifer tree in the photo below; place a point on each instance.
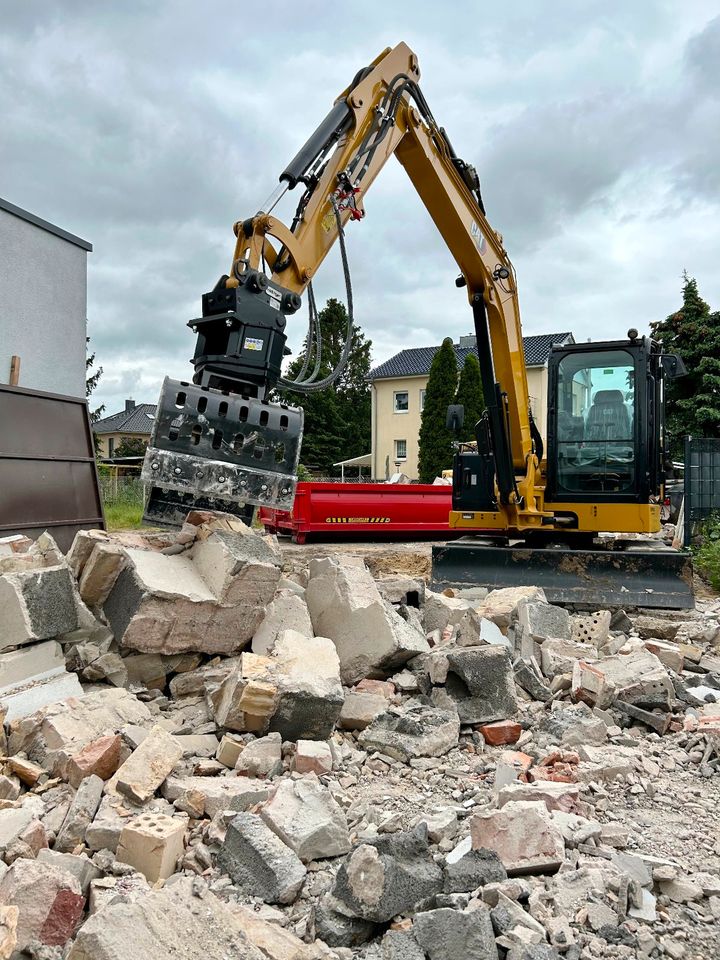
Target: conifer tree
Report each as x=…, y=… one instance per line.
x=436, y=440
x=692, y=401
x=470, y=395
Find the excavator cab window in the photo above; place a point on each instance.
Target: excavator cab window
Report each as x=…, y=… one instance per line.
x=596, y=423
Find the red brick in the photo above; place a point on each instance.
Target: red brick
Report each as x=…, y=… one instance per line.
x=101, y=757
x=501, y=732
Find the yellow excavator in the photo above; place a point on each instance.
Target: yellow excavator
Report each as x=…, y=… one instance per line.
x=221, y=442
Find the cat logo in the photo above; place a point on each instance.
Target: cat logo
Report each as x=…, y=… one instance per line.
x=357, y=519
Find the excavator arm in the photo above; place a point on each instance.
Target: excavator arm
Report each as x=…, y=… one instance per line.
x=195, y=451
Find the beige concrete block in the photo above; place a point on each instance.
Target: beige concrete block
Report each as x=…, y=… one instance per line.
x=153, y=843
x=100, y=573
x=228, y=752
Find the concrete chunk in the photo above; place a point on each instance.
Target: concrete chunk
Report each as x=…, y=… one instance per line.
x=147, y=766
x=219, y=793
x=210, y=600
x=501, y=605
x=305, y=816
x=523, y=835
x=479, y=680
x=360, y=709
x=345, y=605
x=411, y=732
x=50, y=902
x=80, y=815
x=37, y=605
x=638, y=678
x=171, y=922
x=55, y=733
x=100, y=572
x=259, y=862
x=543, y=620
x=287, y=611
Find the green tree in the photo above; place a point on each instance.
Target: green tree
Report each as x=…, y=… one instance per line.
x=470, y=395
x=337, y=420
x=436, y=440
x=91, y=381
x=692, y=401
x=131, y=447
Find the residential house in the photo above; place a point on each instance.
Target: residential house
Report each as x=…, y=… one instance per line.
x=134, y=422
x=398, y=394
x=43, y=304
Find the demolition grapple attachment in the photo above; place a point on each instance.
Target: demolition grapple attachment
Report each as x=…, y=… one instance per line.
x=218, y=443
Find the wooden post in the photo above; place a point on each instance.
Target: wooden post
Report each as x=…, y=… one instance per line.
x=14, y=371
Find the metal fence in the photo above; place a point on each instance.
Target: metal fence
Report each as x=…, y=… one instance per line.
x=122, y=490
x=702, y=481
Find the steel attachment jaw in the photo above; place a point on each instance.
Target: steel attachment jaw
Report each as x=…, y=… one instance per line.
x=219, y=451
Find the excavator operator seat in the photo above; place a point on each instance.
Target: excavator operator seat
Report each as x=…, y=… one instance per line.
x=608, y=417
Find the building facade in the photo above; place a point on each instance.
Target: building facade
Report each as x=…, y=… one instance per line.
x=135, y=422
x=43, y=303
x=398, y=393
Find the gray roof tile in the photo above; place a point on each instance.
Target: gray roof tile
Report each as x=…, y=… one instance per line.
x=416, y=361
x=138, y=420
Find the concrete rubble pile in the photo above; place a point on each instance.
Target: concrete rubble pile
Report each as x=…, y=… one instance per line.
x=208, y=752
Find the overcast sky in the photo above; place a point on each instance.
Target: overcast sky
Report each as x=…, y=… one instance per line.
x=149, y=126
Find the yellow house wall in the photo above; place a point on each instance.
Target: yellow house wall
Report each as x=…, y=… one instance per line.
x=104, y=439
x=389, y=425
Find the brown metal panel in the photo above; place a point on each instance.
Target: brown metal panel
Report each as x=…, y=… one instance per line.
x=48, y=477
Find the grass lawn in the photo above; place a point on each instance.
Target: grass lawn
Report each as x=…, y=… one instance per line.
x=123, y=516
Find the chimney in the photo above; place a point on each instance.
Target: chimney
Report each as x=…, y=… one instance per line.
x=129, y=406
x=467, y=343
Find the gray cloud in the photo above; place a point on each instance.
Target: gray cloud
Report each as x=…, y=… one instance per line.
x=151, y=127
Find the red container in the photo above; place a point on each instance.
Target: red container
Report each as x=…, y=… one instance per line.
x=336, y=509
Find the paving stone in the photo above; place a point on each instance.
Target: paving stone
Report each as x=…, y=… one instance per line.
x=345, y=605
x=228, y=751
x=153, y=844
x=259, y=862
x=305, y=816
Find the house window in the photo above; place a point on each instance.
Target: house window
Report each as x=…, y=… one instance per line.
x=401, y=402
x=422, y=400
x=111, y=446
x=401, y=449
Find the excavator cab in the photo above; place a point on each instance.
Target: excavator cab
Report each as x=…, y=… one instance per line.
x=605, y=427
